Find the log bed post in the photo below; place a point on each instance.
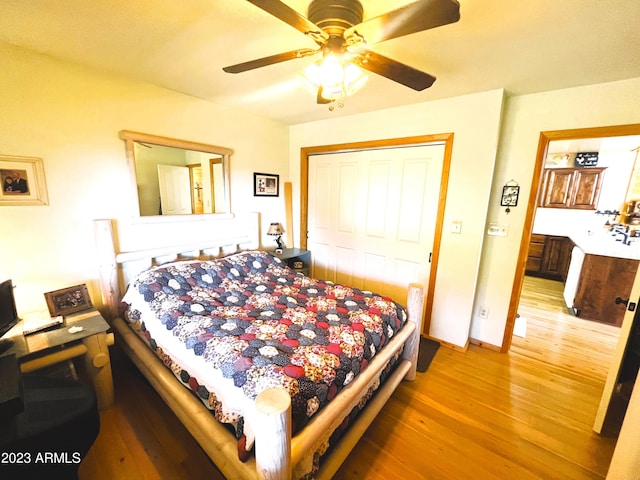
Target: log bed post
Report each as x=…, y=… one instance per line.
x=273, y=443
x=108, y=267
x=415, y=301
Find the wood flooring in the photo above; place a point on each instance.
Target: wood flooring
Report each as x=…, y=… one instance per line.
x=477, y=414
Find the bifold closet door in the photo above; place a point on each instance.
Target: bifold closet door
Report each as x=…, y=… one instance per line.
x=372, y=216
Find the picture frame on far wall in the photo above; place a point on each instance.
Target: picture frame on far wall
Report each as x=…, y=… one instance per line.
x=68, y=300
x=266, y=185
x=22, y=180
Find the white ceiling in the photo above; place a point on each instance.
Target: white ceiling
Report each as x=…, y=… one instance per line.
x=182, y=45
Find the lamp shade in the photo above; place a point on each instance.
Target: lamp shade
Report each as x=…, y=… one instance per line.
x=275, y=229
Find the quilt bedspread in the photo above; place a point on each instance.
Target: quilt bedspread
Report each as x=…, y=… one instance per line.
x=258, y=324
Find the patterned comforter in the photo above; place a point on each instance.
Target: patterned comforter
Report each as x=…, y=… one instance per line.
x=233, y=327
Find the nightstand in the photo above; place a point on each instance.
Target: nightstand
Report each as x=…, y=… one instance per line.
x=41, y=415
x=296, y=258
x=90, y=343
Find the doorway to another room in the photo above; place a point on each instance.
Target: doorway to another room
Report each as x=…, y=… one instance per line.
x=556, y=297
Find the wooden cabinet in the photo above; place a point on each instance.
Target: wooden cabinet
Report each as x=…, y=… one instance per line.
x=556, y=258
x=577, y=188
x=602, y=280
x=549, y=256
x=556, y=188
x=534, y=257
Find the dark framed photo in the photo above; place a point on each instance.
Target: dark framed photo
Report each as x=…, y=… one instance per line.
x=68, y=300
x=22, y=181
x=510, y=195
x=266, y=185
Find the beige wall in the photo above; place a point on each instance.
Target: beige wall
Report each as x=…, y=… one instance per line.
x=70, y=117
x=475, y=121
x=461, y=290
x=525, y=117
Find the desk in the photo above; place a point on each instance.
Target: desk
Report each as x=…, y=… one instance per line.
x=42, y=349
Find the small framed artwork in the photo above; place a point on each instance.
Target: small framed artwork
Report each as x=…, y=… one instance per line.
x=68, y=300
x=510, y=195
x=266, y=185
x=22, y=181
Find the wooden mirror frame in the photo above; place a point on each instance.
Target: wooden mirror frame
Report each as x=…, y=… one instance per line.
x=131, y=138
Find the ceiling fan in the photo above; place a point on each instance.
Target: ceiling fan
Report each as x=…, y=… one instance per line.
x=343, y=38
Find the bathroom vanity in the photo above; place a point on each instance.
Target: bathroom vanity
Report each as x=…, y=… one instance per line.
x=600, y=277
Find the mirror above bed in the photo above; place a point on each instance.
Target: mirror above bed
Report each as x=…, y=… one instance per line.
x=177, y=177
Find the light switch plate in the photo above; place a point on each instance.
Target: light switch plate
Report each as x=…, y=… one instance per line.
x=456, y=226
x=498, y=229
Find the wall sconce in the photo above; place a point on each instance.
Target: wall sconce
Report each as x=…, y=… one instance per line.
x=276, y=230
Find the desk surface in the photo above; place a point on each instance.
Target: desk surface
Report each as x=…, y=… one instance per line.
x=27, y=347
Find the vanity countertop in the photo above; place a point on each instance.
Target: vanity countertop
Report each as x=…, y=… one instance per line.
x=605, y=244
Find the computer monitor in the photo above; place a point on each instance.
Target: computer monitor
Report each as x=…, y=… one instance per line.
x=8, y=313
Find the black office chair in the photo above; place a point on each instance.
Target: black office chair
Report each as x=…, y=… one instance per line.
x=47, y=424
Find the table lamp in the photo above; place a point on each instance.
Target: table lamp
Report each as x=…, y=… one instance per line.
x=276, y=230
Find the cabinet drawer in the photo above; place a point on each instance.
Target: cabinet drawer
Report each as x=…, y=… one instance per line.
x=533, y=264
x=536, y=249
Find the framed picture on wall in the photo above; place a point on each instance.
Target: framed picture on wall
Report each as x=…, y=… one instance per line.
x=266, y=185
x=22, y=181
x=510, y=195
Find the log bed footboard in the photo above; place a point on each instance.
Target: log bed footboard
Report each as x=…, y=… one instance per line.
x=276, y=453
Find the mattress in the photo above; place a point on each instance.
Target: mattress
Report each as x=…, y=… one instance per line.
x=233, y=327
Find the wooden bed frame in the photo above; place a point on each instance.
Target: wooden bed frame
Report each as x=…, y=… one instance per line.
x=276, y=452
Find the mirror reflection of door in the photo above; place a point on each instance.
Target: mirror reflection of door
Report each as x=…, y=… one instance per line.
x=175, y=194
x=218, y=200
x=195, y=180
x=199, y=186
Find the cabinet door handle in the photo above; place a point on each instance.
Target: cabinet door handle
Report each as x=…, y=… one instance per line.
x=619, y=300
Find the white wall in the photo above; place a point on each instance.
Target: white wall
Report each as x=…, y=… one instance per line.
x=70, y=117
x=614, y=103
x=475, y=120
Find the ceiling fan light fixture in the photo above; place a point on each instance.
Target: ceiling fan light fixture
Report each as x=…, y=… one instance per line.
x=337, y=80
x=331, y=72
x=354, y=78
x=310, y=77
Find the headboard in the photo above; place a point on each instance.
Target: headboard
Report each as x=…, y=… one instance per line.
x=127, y=247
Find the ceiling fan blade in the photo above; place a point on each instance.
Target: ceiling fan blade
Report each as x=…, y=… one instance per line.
x=292, y=17
x=263, y=62
x=396, y=71
x=412, y=18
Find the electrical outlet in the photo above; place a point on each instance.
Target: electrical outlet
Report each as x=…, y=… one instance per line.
x=484, y=312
